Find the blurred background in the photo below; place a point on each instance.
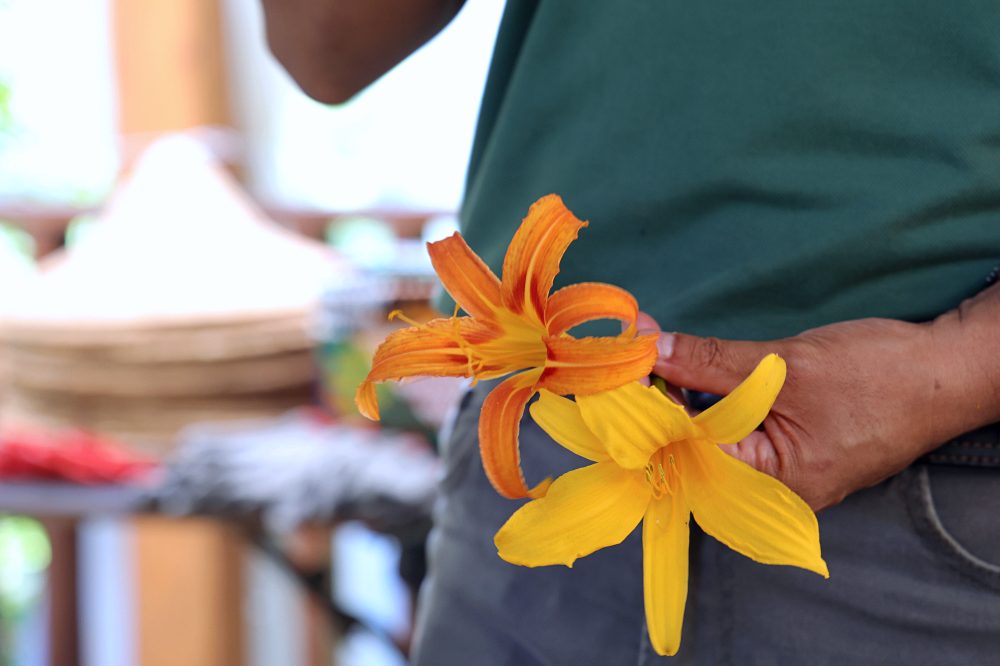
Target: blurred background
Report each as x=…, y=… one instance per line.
x=196, y=261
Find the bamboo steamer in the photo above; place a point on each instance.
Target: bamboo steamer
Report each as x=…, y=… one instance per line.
x=184, y=304
x=144, y=424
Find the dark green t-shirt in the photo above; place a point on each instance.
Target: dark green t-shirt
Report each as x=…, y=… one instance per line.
x=751, y=169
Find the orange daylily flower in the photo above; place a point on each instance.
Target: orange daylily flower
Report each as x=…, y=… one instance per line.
x=515, y=326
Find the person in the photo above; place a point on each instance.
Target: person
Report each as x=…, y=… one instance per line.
x=820, y=180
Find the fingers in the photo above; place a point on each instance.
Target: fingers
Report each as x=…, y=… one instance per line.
x=708, y=364
x=644, y=324
x=703, y=364
x=758, y=451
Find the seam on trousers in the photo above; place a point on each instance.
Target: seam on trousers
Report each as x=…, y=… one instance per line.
x=977, y=448
x=935, y=536
x=963, y=459
x=727, y=628
x=645, y=649
x=974, y=444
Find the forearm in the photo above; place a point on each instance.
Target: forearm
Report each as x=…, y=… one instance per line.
x=966, y=358
x=335, y=48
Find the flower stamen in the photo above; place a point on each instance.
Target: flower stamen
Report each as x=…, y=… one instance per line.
x=474, y=365
x=662, y=479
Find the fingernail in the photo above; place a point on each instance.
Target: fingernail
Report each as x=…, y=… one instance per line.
x=647, y=331
x=665, y=345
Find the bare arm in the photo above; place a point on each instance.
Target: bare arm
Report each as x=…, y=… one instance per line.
x=335, y=48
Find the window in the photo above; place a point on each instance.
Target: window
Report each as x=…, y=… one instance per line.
x=57, y=108
x=402, y=144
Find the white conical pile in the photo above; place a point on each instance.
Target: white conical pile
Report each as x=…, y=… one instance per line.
x=16, y=274
x=182, y=304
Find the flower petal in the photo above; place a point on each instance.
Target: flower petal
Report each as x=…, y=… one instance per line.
x=751, y=512
x=499, y=422
x=434, y=348
x=591, y=365
x=665, y=536
x=585, y=510
x=533, y=256
x=586, y=301
x=634, y=421
x=366, y=400
x=560, y=418
x=739, y=413
x=465, y=276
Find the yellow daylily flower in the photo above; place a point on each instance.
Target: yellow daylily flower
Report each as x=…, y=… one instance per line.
x=516, y=326
x=654, y=463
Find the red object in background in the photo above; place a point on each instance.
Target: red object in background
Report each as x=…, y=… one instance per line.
x=73, y=456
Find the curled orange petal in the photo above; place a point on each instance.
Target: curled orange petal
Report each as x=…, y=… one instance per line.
x=367, y=401
x=499, y=422
x=587, y=301
x=532, y=260
x=438, y=348
x=592, y=365
x=465, y=276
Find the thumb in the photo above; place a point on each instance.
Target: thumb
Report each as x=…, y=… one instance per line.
x=644, y=324
x=708, y=364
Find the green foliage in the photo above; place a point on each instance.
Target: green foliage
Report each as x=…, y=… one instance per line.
x=6, y=118
x=17, y=239
x=345, y=365
x=25, y=554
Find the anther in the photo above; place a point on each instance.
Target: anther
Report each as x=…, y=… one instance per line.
x=398, y=314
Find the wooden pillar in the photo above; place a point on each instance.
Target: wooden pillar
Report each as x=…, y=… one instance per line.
x=309, y=549
x=190, y=579
x=64, y=640
x=172, y=77
x=171, y=68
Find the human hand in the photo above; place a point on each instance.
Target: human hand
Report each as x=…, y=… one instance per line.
x=862, y=399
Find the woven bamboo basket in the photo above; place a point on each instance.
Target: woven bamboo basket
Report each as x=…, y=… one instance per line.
x=184, y=305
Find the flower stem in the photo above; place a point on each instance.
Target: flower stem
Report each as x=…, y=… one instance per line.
x=660, y=383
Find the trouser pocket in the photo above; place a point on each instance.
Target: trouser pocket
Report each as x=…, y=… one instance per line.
x=954, y=511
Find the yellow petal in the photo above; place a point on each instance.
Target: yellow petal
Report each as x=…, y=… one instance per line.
x=434, y=349
x=634, y=421
x=739, y=413
x=585, y=510
x=665, y=535
x=499, y=422
x=587, y=301
x=751, y=512
x=465, y=276
x=533, y=256
x=591, y=365
x=560, y=418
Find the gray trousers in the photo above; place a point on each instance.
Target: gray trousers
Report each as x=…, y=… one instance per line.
x=914, y=579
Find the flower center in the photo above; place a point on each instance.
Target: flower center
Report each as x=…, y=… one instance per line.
x=661, y=473
x=519, y=345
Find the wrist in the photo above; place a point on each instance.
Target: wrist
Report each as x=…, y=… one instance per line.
x=964, y=346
